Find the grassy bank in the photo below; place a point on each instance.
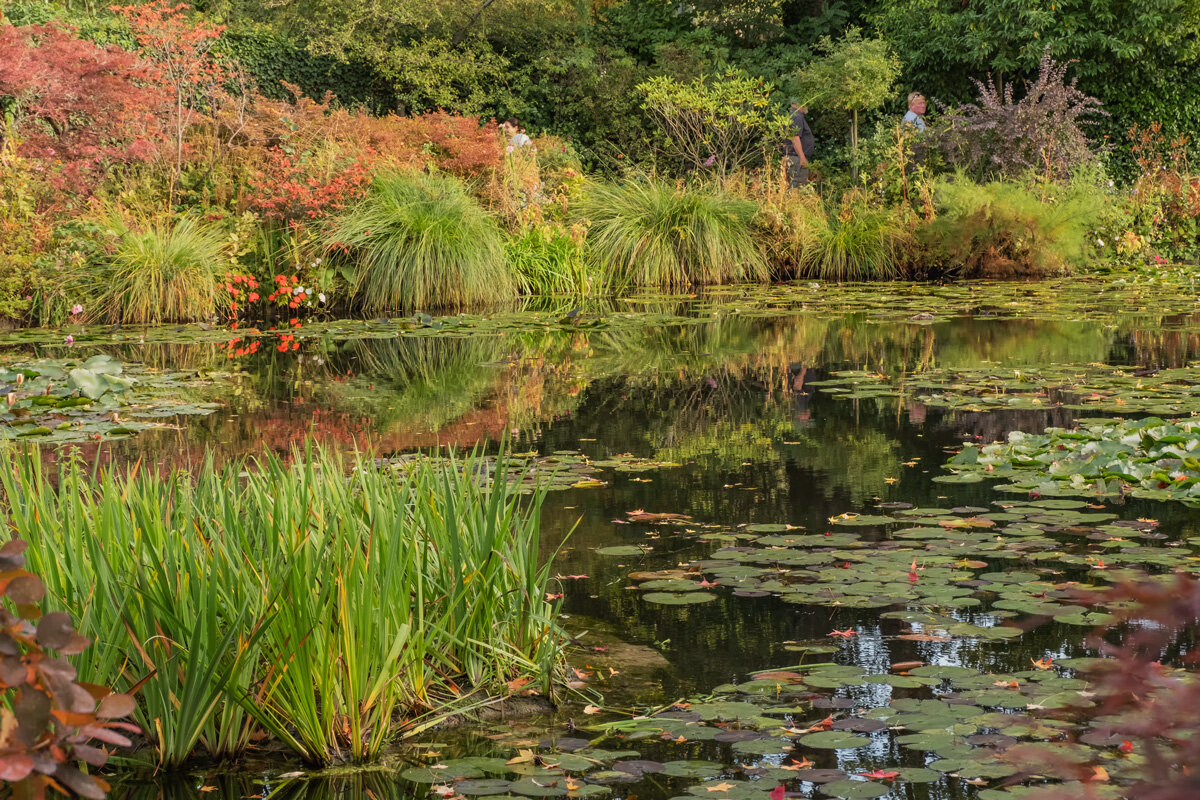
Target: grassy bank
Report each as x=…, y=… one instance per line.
x=332, y=606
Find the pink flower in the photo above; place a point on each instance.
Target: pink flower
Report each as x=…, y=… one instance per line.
x=76, y=309
x=70, y=339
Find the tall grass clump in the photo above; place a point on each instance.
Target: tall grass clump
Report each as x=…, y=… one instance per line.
x=164, y=272
x=327, y=604
x=653, y=234
x=1003, y=229
x=420, y=241
x=853, y=240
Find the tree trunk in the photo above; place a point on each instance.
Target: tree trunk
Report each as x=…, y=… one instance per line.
x=854, y=144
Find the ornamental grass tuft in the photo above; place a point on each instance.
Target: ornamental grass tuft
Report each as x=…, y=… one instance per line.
x=654, y=234
x=421, y=242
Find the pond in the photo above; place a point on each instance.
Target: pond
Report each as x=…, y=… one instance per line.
x=742, y=480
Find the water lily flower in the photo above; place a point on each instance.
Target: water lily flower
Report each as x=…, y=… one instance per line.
x=70, y=339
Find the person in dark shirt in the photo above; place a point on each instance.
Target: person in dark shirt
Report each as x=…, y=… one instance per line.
x=799, y=147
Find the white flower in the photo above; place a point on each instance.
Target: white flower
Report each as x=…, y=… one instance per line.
x=1100, y=242
x=298, y=290
x=321, y=297
x=1110, y=184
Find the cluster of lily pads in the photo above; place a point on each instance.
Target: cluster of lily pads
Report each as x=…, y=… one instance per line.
x=69, y=400
x=1147, y=458
x=1092, y=387
x=974, y=566
x=562, y=469
x=819, y=731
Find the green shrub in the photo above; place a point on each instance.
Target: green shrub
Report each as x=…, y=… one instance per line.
x=419, y=241
x=167, y=272
x=1006, y=229
x=653, y=234
x=548, y=260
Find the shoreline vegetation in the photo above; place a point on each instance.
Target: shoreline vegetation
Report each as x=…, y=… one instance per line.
x=329, y=606
x=169, y=183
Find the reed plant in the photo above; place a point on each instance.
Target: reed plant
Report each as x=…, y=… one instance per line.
x=328, y=603
x=162, y=271
x=421, y=242
x=650, y=233
x=855, y=241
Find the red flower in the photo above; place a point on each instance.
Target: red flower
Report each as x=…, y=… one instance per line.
x=252, y=296
x=282, y=347
x=1126, y=746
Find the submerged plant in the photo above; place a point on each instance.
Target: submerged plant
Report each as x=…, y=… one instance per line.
x=166, y=272
x=653, y=234
x=419, y=242
x=295, y=600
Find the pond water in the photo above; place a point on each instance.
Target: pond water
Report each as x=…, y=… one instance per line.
x=724, y=418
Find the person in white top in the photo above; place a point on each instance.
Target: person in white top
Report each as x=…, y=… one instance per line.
x=916, y=111
x=516, y=136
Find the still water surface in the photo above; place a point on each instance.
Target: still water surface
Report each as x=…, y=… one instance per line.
x=733, y=403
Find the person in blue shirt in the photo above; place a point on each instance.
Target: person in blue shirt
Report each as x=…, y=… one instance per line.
x=799, y=147
x=916, y=111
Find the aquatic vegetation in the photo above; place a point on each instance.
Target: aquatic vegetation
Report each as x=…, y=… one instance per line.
x=421, y=242
x=294, y=600
x=69, y=400
x=652, y=234
x=166, y=272
x=1101, y=458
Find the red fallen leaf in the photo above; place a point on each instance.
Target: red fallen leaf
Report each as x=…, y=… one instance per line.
x=924, y=637
x=600, y=649
x=1126, y=746
x=777, y=792
x=1043, y=663
x=912, y=577
x=878, y=774
x=845, y=565
x=846, y=634
x=824, y=725
x=705, y=584
x=516, y=684
x=583, y=676
x=554, y=595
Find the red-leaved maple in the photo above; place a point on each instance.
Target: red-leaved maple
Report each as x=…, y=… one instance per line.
x=78, y=106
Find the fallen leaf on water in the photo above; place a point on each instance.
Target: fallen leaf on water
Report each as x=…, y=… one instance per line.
x=516, y=684
x=723, y=786
x=880, y=775
x=590, y=709
x=1099, y=775
x=846, y=634
x=554, y=596
x=1043, y=663
x=523, y=756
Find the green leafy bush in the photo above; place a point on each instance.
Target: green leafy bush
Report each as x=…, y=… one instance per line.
x=420, y=241
x=653, y=234
x=165, y=272
x=856, y=241
x=547, y=259
x=722, y=123
x=1005, y=229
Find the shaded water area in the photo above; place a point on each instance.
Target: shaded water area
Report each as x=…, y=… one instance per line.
x=726, y=412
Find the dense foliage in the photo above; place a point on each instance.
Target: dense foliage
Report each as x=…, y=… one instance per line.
x=162, y=147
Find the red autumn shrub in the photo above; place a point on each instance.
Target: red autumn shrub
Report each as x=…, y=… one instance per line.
x=288, y=188
x=49, y=722
x=78, y=107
